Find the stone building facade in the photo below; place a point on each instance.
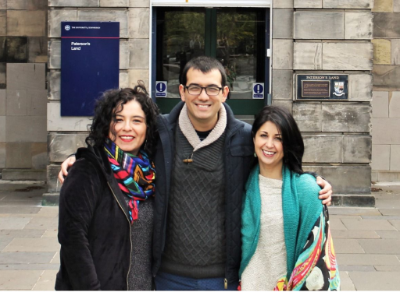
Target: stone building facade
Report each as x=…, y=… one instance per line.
x=386, y=95
x=308, y=37
x=23, y=94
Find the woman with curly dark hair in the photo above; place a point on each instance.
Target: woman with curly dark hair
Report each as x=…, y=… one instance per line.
x=106, y=203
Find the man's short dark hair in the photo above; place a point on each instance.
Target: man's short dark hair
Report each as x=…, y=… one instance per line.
x=204, y=64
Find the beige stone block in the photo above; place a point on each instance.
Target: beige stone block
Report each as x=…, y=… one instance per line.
x=385, y=131
x=307, y=56
x=282, y=84
x=3, y=4
x=2, y=153
x=395, y=157
x=60, y=146
x=395, y=48
x=37, y=50
x=345, y=117
x=318, y=25
x=388, y=176
x=139, y=23
x=142, y=3
x=358, y=25
x=123, y=54
x=282, y=3
x=33, y=245
x=357, y=148
x=136, y=75
x=282, y=26
x=3, y=22
x=57, y=123
x=383, y=6
x=347, y=56
x=74, y=3
x=18, y=155
x=360, y=87
x=380, y=104
x=119, y=15
x=394, y=105
x=54, y=54
x=39, y=155
x=361, y=4
x=58, y=15
x=54, y=80
x=308, y=116
x=386, y=77
x=26, y=23
x=19, y=279
x=386, y=25
x=27, y=4
x=114, y=3
x=26, y=129
x=323, y=148
x=139, y=54
x=123, y=79
x=3, y=124
x=287, y=104
x=282, y=54
x=396, y=6
x=26, y=76
x=381, y=51
x=3, y=102
x=307, y=3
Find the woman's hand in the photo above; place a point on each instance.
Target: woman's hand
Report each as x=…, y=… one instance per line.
x=326, y=193
x=64, y=168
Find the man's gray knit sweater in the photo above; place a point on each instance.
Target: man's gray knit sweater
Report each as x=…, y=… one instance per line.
x=195, y=244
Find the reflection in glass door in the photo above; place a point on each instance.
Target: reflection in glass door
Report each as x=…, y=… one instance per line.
x=237, y=37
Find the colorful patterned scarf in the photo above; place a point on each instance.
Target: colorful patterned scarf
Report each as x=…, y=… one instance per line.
x=135, y=175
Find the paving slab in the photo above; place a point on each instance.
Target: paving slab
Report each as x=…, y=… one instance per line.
x=48, y=212
x=4, y=241
x=388, y=204
x=26, y=267
x=42, y=223
x=391, y=217
x=18, y=280
x=373, y=281
x=388, y=234
x=389, y=212
x=18, y=210
x=367, y=260
x=367, y=224
x=356, y=268
x=338, y=216
x=354, y=211
x=26, y=257
x=46, y=281
x=346, y=284
x=388, y=268
x=354, y=234
x=395, y=223
x=22, y=233
x=33, y=245
x=380, y=246
x=336, y=224
x=56, y=258
x=346, y=246
x=14, y=222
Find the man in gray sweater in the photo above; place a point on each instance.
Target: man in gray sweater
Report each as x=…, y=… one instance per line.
x=203, y=159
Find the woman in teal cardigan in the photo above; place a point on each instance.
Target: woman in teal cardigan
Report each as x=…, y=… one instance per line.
x=286, y=239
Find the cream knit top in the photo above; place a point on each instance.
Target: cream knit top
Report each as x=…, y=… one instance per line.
x=268, y=263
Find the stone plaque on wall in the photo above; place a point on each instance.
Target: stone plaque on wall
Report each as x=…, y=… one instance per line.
x=322, y=87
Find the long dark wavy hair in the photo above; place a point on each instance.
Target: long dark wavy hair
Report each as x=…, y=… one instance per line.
x=292, y=141
x=111, y=103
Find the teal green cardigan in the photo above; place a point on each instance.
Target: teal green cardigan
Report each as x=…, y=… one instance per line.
x=301, y=208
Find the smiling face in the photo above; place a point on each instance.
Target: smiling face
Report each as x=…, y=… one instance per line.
x=203, y=109
x=269, y=149
x=129, y=128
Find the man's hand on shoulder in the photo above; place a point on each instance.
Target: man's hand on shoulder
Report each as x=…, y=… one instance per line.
x=64, y=168
x=326, y=193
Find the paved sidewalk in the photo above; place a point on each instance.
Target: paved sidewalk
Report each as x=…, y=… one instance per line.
x=367, y=240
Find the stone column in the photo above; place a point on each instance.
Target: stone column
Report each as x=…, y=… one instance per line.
x=329, y=37
x=66, y=134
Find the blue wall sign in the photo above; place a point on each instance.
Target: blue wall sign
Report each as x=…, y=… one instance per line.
x=258, y=90
x=161, y=88
x=89, y=64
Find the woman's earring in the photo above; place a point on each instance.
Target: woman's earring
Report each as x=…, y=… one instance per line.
x=255, y=154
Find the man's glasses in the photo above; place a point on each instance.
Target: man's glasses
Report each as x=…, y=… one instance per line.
x=196, y=90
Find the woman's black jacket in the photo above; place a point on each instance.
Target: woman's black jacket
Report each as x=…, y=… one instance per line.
x=94, y=230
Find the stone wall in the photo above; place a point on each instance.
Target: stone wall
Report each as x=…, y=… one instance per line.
x=386, y=95
x=23, y=94
x=328, y=37
x=65, y=134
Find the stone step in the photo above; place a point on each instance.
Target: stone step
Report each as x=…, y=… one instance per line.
x=24, y=174
x=353, y=200
x=50, y=199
